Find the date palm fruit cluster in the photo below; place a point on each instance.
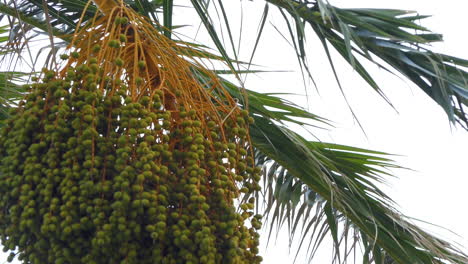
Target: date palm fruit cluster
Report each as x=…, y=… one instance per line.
x=124, y=157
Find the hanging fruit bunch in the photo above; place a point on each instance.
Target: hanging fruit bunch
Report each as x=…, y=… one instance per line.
x=124, y=156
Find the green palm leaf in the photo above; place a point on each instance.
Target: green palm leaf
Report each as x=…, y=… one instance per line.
x=385, y=33
x=343, y=177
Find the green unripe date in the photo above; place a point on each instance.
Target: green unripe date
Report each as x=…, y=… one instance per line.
x=98, y=175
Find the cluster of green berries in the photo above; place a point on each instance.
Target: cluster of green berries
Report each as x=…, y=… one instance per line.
x=89, y=174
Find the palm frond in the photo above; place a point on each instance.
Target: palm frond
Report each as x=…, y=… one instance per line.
x=339, y=183
x=395, y=38
x=344, y=178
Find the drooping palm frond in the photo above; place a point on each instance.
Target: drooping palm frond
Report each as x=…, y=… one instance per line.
x=344, y=178
x=352, y=208
x=394, y=37
x=341, y=178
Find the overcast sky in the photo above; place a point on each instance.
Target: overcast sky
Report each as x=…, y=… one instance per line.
x=435, y=190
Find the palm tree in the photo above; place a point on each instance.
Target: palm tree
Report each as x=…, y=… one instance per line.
x=313, y=187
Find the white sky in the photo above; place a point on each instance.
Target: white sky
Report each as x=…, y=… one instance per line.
x=435, y=191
